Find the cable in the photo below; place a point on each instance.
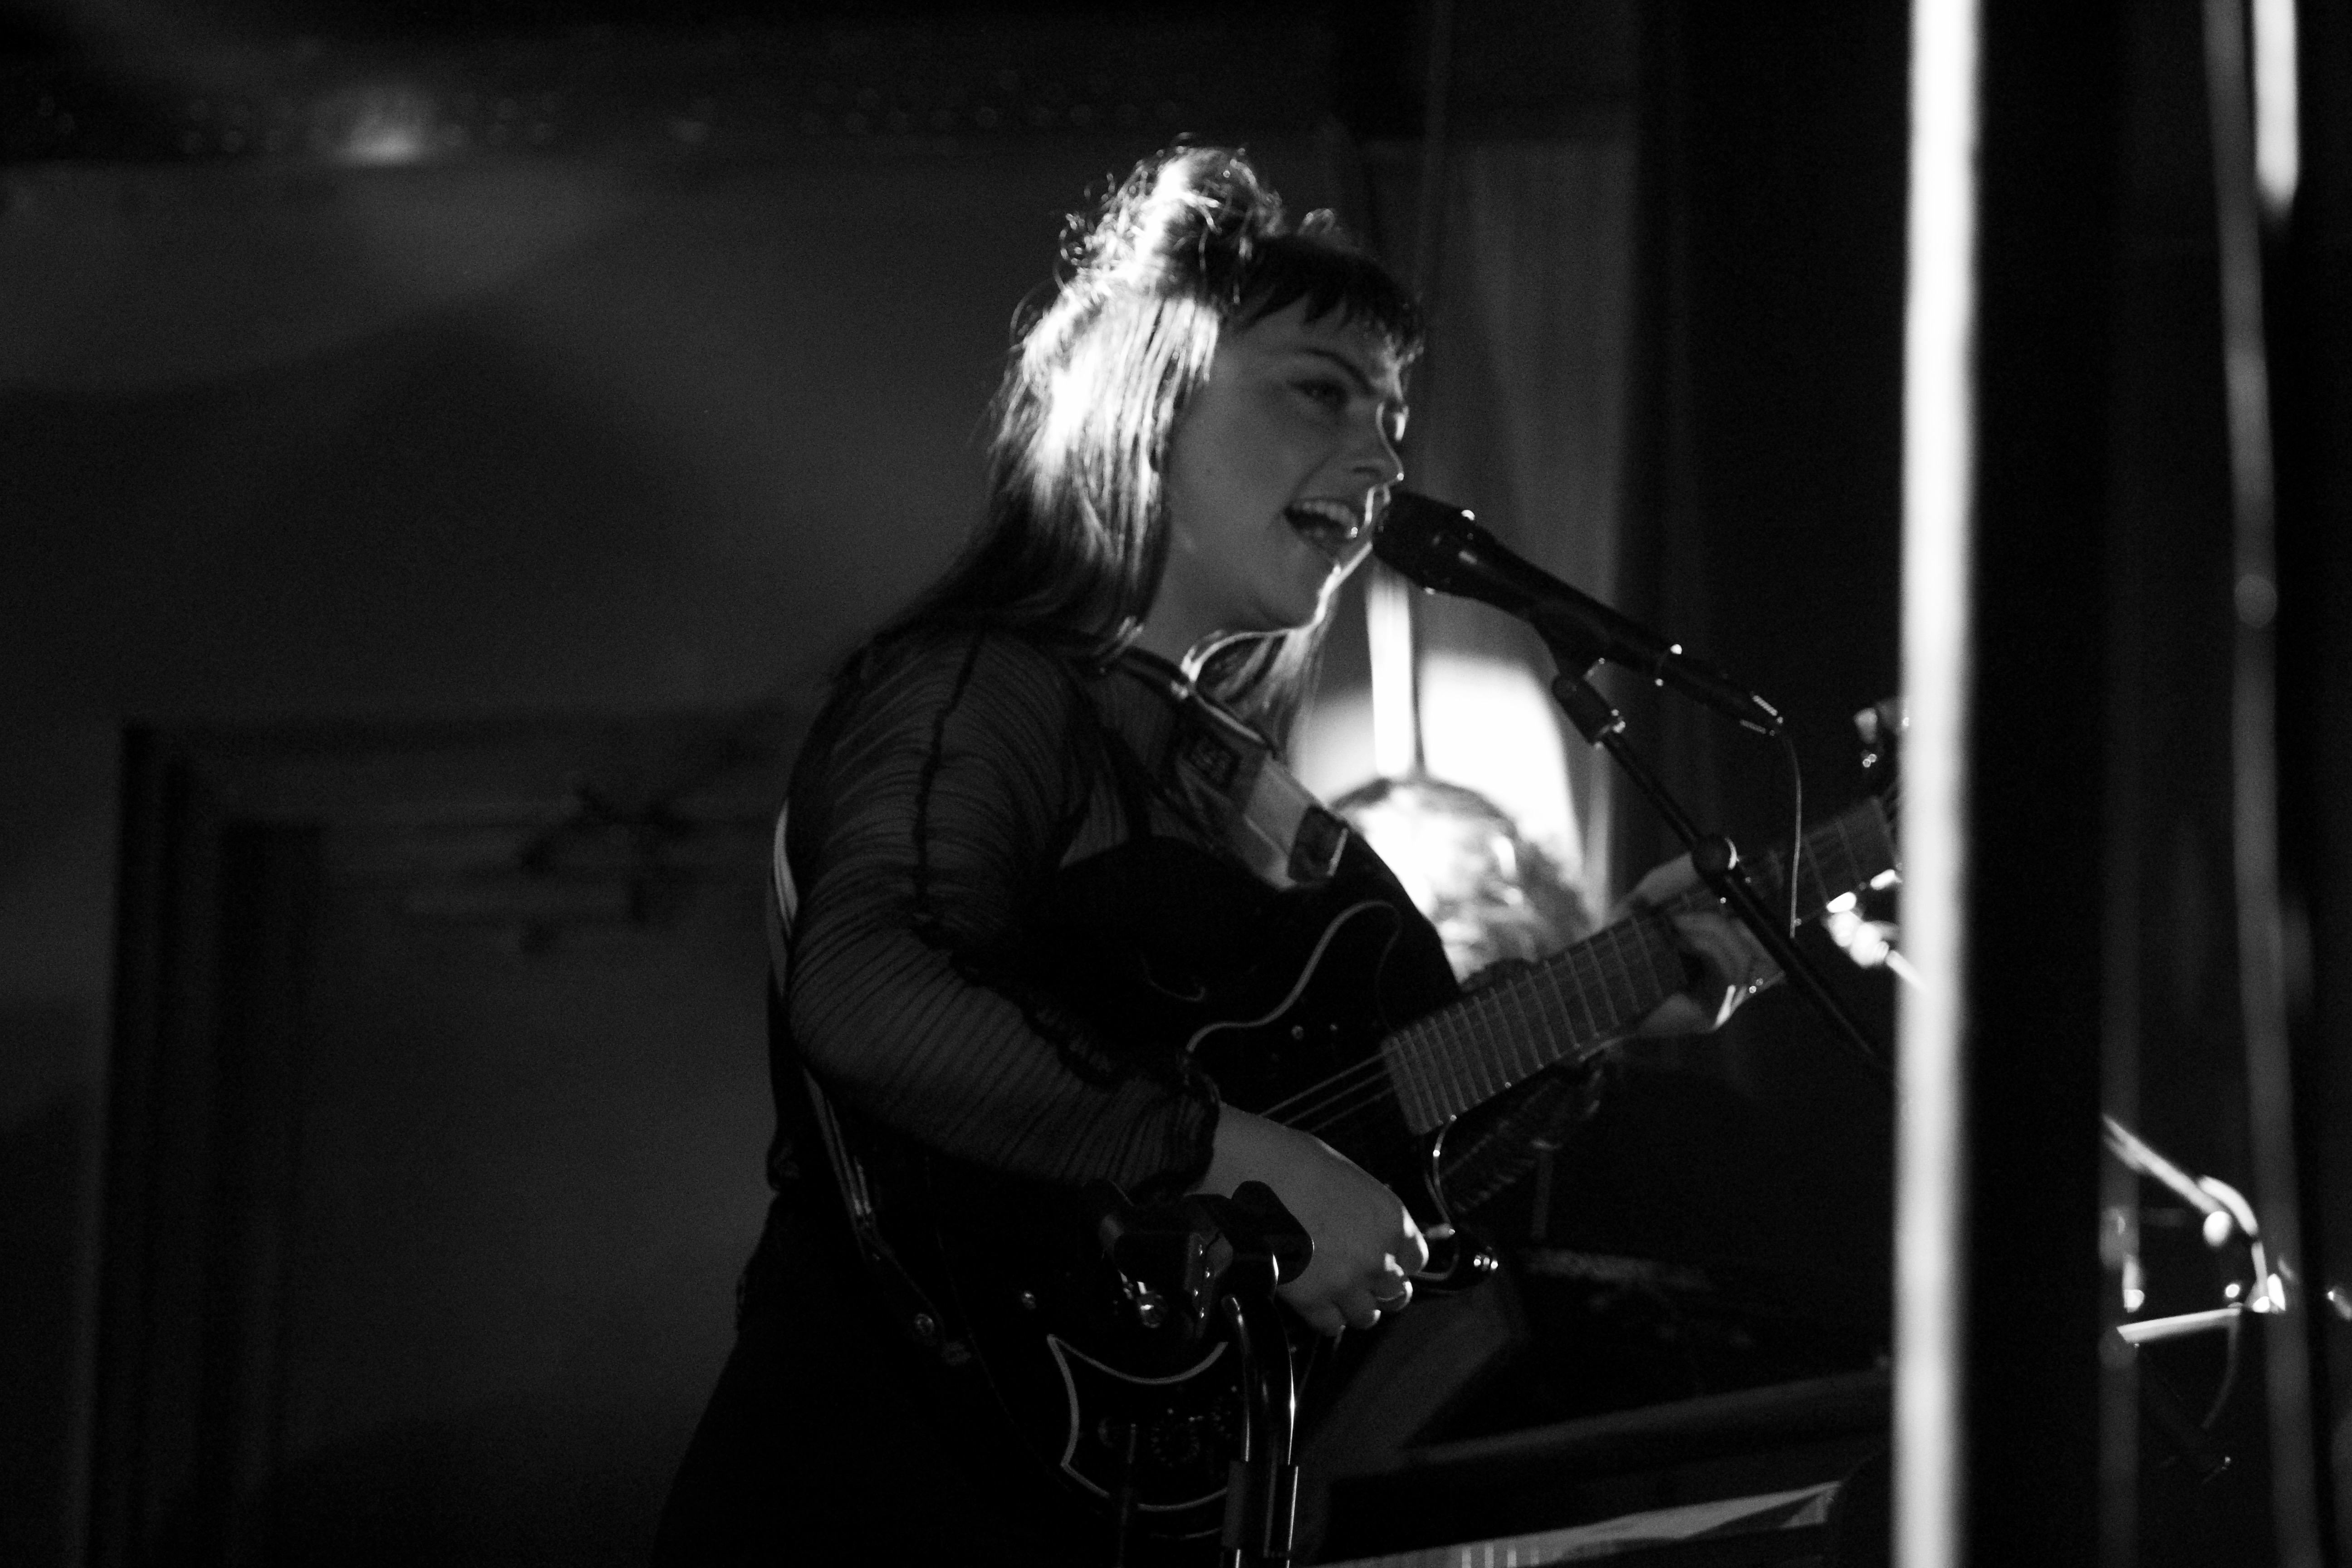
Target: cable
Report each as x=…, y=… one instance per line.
x=1796, y=824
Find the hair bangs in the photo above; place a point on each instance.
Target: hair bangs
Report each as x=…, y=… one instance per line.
x=1318, y=267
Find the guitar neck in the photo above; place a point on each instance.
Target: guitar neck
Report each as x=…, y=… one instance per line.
x=1575, y=1001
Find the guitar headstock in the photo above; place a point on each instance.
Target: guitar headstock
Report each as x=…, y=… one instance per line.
x=1862, y=921
x=1879, y=728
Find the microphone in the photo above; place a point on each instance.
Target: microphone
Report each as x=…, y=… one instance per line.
x=1441, y=547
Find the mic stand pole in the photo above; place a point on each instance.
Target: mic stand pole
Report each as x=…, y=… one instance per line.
x=1711, y=854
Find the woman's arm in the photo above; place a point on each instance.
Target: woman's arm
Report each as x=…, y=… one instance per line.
x=932, y=806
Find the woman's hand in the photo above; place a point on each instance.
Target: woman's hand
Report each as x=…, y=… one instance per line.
x=1366, y=1247
x=1735, y=964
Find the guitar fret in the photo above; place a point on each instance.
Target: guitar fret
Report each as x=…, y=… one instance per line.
x=1547, y=1001
x=1528, y=1056
x=1434, y=1110
x=1466, y=1054
x=1453, y=1072
x=1532, y=1033
x=1574, y=987
x=1427, y=1046
x=1590, y=994
x=1496, y=1071
x=1624, y=993
x=1451, y=1069
x=1496, y=1068
x=1592, y=976
x=1403, y=1059
x=1600, y=999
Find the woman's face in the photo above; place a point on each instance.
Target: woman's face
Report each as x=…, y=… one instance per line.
x=1275, y=469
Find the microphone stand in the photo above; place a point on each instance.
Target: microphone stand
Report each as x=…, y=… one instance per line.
x=1712, y=854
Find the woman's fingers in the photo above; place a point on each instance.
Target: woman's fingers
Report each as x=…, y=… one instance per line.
x=1728, y=949
x=1361, y=1297
x=1734, y=964
x=1366, y=1305
x=1366, y=1243
x=1735, y=967
x=1664, y=883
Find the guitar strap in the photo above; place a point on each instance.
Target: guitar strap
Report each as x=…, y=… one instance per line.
x=910, y=1307
x=1224, y=775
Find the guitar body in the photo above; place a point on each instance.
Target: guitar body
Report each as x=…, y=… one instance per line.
x=1126, y=1410
x=1268, y=993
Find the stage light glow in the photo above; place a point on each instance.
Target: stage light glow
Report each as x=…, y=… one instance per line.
x=2278, y=156
x=1489, y=724
x=1491, y=895
x=1388, y=628
x=385, y=125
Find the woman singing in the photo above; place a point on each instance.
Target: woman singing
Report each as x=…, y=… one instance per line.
x=1019, y=799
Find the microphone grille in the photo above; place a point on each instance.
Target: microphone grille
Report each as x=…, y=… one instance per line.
x=1423, y=539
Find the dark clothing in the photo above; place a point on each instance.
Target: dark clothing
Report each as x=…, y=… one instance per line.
x=968, y=810
x=943, y=790
x=829, y=1440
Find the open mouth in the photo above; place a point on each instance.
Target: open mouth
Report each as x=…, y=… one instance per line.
x=1333, y=527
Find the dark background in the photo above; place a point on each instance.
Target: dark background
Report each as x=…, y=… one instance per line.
x=413, y=579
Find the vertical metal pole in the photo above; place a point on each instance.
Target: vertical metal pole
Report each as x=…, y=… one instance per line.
x=2009, y=392
x=1938, y=464
x=2261, y=935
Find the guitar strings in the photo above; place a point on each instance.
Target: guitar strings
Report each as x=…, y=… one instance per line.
x=1360, y=1086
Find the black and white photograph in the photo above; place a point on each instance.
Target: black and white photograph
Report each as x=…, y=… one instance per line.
x=1183, y=784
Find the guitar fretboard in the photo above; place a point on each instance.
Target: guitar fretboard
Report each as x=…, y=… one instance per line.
x=1597, y=991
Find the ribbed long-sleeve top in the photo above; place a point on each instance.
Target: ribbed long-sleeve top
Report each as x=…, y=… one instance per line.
x=951, y=779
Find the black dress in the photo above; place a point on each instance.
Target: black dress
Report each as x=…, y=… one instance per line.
x=975, y=820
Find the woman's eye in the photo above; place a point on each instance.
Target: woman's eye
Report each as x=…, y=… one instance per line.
x=1329, y=394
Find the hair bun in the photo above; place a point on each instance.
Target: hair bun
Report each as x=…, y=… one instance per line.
x=1189, y=219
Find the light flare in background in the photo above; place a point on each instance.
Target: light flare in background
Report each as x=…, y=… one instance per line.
x=1490, y=811
x=1388, y=630
x=1491, y=894
x=384, y=125
x=1488, y=724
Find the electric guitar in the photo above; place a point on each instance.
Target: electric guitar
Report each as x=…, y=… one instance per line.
x=1005, y=1279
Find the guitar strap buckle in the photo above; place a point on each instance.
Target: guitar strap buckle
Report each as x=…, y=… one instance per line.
x=1227, y=777
x=909, y=1305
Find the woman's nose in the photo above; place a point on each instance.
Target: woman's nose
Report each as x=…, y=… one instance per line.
x=1376, y=457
